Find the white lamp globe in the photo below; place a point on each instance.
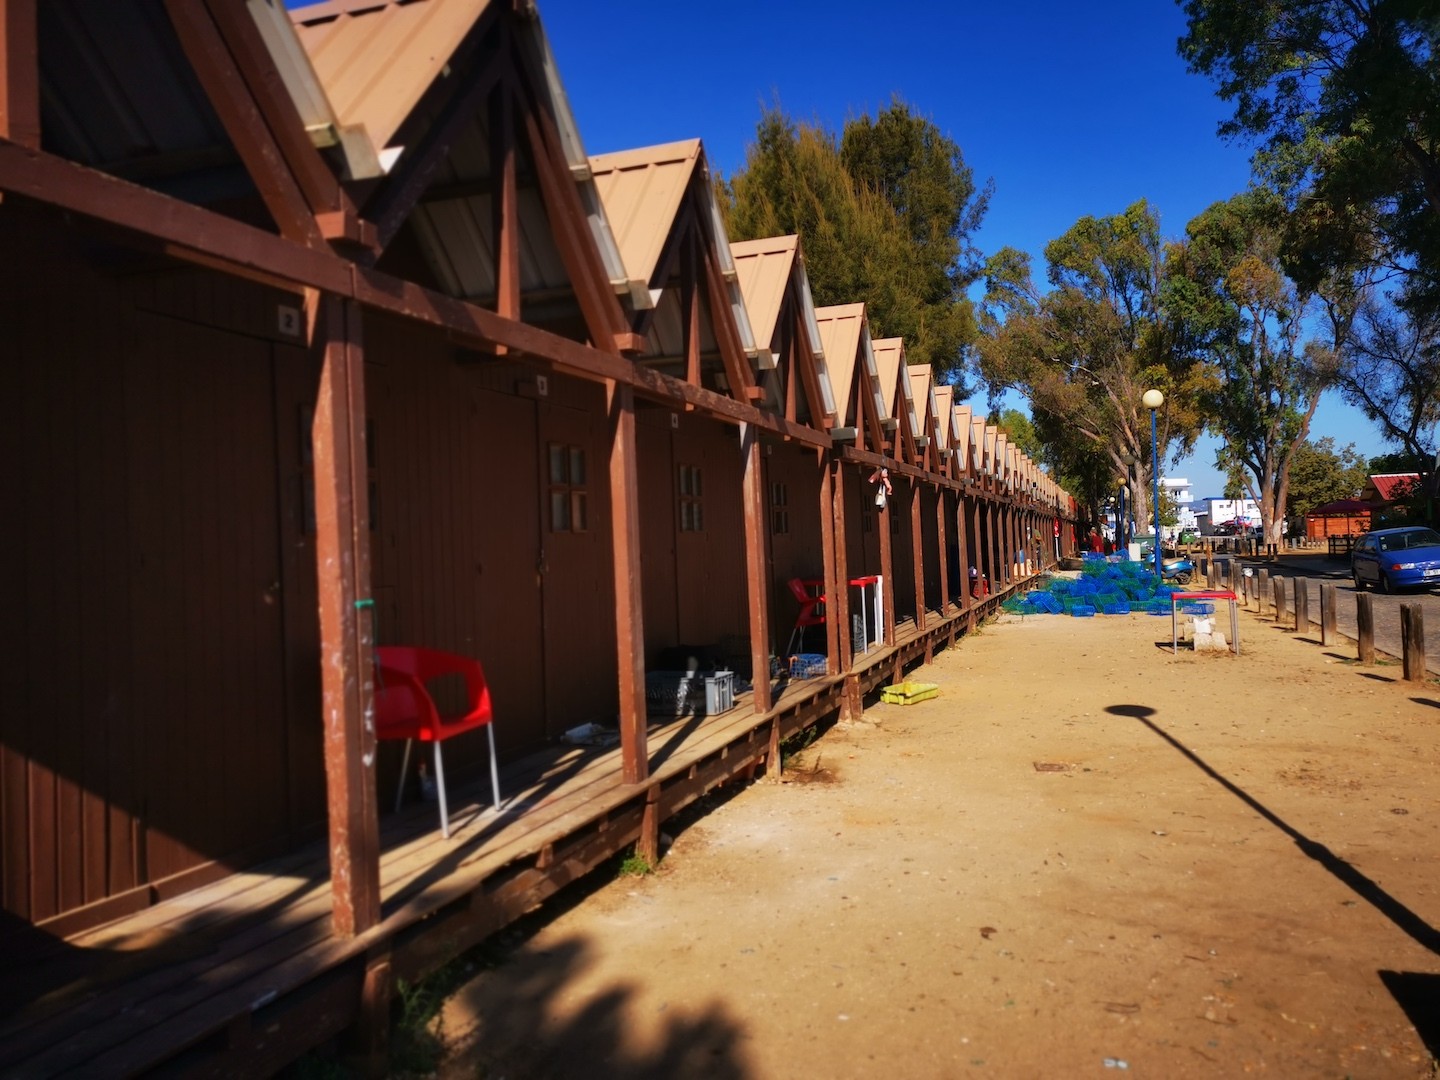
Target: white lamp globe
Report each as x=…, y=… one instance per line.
x=1153, y=399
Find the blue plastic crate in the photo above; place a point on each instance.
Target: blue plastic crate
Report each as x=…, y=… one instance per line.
x=1082, y=611
x=1197, y=607
x=809, y=666
x=1119, y=607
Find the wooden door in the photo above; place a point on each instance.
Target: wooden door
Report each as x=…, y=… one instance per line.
x=575, y=564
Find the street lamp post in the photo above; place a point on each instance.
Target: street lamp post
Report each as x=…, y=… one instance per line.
x=1152, y=400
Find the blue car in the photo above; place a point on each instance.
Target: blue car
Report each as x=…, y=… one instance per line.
x=1393, y=559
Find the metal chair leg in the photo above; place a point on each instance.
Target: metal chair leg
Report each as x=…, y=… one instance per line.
x=404, y=768
x=440, y=790
x=494, y=766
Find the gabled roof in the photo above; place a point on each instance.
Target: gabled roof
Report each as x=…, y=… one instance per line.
x=767, y=269
x=841, y=330
x=964, y=438
x=763, y=267
x=943, y=397
x=889, y=361
x=643, y=191
x=376, y=62
x=1385, y=487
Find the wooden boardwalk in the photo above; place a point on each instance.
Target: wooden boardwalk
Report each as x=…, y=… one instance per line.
x=244, y=975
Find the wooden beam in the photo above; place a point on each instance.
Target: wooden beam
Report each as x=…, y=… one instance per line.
x=690, y=310
x=941, y=538
x=225, y=86
x=917, y=554
x=757, y=565
x=19, y=73
x=834, y=509
x=629, y=605
x=571, y=228
x=268, y=92
x=505, y=203
x=722, y=317
x=887, y=568
x=342, y=556
x=962, y=542
x=837, y=589
x=197, y=235
x=393, y=203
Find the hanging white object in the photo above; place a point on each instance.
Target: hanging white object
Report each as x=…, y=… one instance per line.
x=880, y=498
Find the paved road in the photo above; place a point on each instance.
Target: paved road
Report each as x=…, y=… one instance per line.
x=1315, y=570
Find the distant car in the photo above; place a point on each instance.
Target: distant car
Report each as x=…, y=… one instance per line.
x=1227, y=528
x=1393, y=559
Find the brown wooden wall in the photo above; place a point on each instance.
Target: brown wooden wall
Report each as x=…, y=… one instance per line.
x=862, y=541
x=156, y=569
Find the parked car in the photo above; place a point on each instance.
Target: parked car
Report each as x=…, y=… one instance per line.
x=1392, y=559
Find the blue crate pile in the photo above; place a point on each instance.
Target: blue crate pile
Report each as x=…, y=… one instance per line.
x=1108, y=586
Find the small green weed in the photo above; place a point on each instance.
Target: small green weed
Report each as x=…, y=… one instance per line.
x=634, y=865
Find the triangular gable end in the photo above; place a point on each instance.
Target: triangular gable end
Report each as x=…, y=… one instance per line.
x=850, y=356
x=463, y=109
x=776, y=291
x=662, y=206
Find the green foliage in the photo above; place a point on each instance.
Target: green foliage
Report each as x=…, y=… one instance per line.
x=1244, y=319
x=1320, y=473
x=894, y=234
x=1343, y=97
x=1021, y=432
x=1085, y=351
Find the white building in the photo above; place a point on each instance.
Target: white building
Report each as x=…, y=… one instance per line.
x=1214, y=512
x=1178, y=489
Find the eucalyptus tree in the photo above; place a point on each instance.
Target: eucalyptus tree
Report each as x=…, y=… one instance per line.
x=1343, y=98
x=1085, y=349
x=1271, y=345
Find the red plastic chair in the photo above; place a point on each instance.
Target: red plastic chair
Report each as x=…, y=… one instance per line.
x=405, y=710
x=810, y=610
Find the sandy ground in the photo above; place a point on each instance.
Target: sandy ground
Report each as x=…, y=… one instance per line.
x=1087, y=857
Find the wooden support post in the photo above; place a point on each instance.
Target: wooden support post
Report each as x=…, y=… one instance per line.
x=917, y=555
x=993, y=548
x=962, y=543
x=648, y=844
x=941, y=539
x=626, y=570
x=837, y=588
x=366, y=1045
x=836, y=512
x=1412, y=642
x=774, y=766
x=1302, y=604
x=1329, y=635
x=757, y=566
x=1279, y=587
x=505, y=202
x=342, y=558
x=1365, y=627
x=1262, y=591
x=19, y=74
x=887, y=569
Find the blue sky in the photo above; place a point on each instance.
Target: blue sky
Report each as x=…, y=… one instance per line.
x=1070, y=108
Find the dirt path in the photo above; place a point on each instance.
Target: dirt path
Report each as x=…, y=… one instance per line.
x=1086, y=858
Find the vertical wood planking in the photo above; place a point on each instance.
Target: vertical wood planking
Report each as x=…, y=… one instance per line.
x=19, y=73
x=917, y=554
x=887, y=568
x=837, y=588
x=839, y=536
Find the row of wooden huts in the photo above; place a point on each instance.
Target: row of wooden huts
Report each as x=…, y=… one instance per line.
x=329, y=311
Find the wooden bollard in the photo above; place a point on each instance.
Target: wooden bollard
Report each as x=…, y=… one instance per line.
x=1262, y=590
x=1365, y=627
x=1302, y=605
x=1328, y=632
x=1412, y=642
x=1279, y=586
